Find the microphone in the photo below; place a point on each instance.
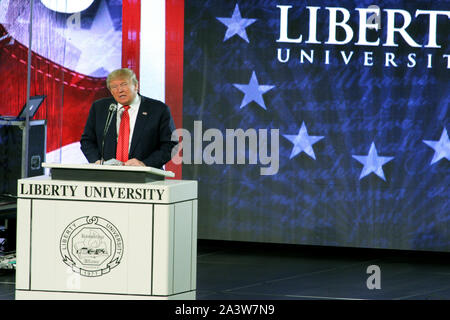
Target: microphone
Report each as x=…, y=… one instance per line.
x=111, y=110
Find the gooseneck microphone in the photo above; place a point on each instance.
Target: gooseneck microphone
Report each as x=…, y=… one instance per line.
x=112, y=109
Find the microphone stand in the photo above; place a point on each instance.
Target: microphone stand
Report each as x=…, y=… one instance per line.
x=112, y=109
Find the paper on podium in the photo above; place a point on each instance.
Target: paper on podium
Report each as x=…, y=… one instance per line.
x=113, y=162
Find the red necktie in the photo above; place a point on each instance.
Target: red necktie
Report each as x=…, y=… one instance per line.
x=124, y=136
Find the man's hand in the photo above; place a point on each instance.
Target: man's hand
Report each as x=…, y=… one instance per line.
x=98, y=162
x=134, y=162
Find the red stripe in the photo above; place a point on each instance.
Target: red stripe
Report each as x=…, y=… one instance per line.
x=64, y=125
x=131, y=26
x=174, y=67
x=131, y=34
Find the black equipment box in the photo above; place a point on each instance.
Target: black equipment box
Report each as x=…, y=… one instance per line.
x=13, y=151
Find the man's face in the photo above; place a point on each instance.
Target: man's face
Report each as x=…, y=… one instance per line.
x=123, y=91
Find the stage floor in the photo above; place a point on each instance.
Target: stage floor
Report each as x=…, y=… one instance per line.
x=250, y=271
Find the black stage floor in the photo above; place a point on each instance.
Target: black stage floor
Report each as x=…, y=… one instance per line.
x=252, y=271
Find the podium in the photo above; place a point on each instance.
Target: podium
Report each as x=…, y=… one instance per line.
x=79, y=237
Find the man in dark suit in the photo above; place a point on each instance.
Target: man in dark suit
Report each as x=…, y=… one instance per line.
x=149, y=125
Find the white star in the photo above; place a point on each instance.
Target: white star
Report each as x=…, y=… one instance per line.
x=236, y=25
x=303, y=142
x=253, y=91
x=372, y=163
x=441, y=147
x=99, y=46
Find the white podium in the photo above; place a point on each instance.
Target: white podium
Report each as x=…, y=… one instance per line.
x=82, y=239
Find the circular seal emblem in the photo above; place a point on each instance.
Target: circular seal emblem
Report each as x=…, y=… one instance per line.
x=91, y=246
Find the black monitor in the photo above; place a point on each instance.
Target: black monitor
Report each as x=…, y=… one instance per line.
x=35, y=103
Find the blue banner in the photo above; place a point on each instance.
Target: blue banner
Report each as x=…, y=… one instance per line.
x=344, y=117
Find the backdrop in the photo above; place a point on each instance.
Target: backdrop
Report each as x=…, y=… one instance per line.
x=72, y=53
x=359, y=94
x=310, y=122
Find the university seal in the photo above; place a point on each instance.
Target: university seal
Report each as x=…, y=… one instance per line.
x=91, y=246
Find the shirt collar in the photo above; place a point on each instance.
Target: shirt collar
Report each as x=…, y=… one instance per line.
x=133, y=106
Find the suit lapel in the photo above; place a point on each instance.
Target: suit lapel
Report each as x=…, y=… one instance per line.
x=111, y=137
x=141, y=119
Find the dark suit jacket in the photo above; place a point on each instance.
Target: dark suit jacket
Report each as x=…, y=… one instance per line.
x=151, y=142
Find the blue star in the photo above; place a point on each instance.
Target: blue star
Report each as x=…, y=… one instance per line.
x=253, y=91
x=236, y=25
x=441, y=147
x=303, y=142
x=372, y=163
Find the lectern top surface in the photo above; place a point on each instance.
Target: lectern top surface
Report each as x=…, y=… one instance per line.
x=90, y=166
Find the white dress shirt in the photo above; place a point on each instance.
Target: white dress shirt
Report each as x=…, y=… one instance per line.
x=132, y=112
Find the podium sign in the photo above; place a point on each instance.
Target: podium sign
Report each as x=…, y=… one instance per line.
x=104, y=240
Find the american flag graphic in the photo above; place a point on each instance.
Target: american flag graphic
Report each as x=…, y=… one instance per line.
x=364, y=147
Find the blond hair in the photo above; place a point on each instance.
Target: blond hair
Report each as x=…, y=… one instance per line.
x=123, y=73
